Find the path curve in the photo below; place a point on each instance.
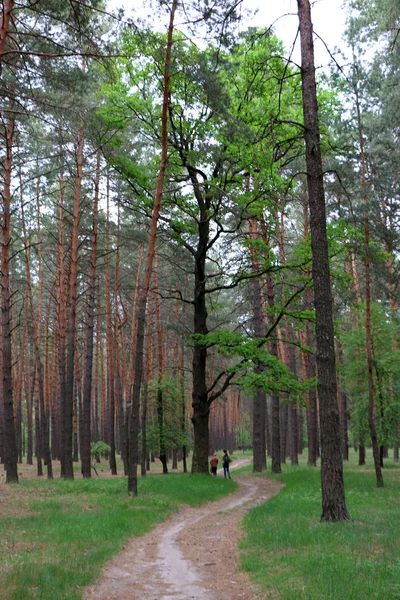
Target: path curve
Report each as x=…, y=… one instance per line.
x=193, y=555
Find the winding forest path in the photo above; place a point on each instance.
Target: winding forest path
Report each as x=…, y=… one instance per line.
x=194, y=555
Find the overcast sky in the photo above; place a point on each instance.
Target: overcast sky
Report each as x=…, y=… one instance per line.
x=328, y=19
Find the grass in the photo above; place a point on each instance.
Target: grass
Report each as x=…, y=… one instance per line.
x=292, y=555
x=56, y=535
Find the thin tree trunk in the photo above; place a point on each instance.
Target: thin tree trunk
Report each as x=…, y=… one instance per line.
x=332, y=483
x=110, y=347
x=37, y=335
x=361, y=455
x=368, y=336
x=141, y=314
x=5, y=18
x=68, y=392
x=275, y=399
x=29, y=413
x=61, y=326
x=120, y=364
x=293, y=419
x=90, y=311
x=160, y=360
x=310, y=370
x=10, y=449
x=259, y=400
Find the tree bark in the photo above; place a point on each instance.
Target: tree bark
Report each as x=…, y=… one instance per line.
x=68, y=392
x=10, y=449
x=259, y=400
x=90, y=312
x=110, y=347
x=160, y=357
x=142, y=304
x=5, y=19
x=333, y=493
x=368, y=336
x=293, y=417
x=61, y=325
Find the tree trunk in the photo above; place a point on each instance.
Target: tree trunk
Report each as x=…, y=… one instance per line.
x=275, y=399
x=368, y=336
x=90, y=312
x=68, y=393
x=361, y=455
x=10, y=449
x=5, y=18
x=293, y=418
x=110, y=347
x=200, y=405
x=61, y=325
x=332, y=483
x=120, y=361
x=259, y=400
x=141, y=313
x=160, y=360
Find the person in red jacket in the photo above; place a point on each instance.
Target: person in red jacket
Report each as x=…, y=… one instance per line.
x=214, y=464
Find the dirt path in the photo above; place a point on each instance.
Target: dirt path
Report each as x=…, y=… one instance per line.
x=194, y=555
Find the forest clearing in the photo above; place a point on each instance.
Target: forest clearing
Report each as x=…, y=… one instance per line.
x=200, y=247
x=64, y=541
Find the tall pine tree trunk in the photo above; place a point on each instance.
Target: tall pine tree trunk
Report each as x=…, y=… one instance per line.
x=68, y=393
x=332, y=483
x=61, y=326
x=142, y=303
x=368, y=336
x=10, y=449
x=275, y=398
x=110, y=347
x=259, y=400
x=160, y=361
x=90, y=311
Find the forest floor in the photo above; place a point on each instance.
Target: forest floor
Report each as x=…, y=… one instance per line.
x=194, y=555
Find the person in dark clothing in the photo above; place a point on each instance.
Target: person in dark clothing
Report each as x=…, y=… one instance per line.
x=226, y=459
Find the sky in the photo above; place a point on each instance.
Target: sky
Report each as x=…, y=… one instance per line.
x=328, y=18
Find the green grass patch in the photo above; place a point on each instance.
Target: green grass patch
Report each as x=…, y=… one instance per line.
x=63, y=531
x=292, y=555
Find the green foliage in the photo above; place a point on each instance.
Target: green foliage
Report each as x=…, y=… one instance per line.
x=99, y=448
x=276, y=377
x=174, y=435
x=386, y=354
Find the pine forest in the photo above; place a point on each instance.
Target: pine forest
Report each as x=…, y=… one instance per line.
x=200, y=241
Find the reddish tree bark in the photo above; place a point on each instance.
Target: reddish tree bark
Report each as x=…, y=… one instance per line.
x=5, y=19
x=61, y=326
x=259, y=400
x=10, y=449
x=67, y=394
x=142, y=303
x=368, y=336
x=160, y=361
x=36, y=320
x=90, y=312
x=110, y=347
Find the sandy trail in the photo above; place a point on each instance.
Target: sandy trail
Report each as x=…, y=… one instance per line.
x=194, y=555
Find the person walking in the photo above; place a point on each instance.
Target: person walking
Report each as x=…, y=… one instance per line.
x=214, y=463
x=226, y=459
